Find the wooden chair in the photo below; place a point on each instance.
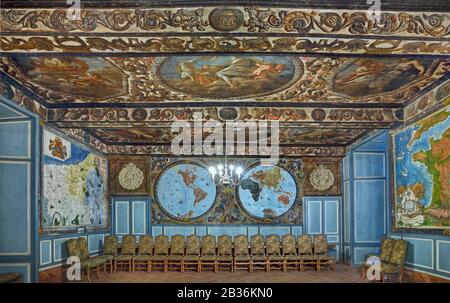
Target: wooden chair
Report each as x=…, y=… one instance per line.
x=291, y=258
x=208, y=256
x=386, y=246
x=176, y=256
x=110, y=251
x=258, y=253
x=396, y=263
x=161, y=252
x=224, y=253
x=321, y=251
x=87, y=265
x=274, y=257
x=241, y=253
x=192, y=256
x=305, y=251
x=127, y=253
x=143, y=260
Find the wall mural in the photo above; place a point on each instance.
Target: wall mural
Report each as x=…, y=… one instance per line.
x=184, y=192
x=421, y=166
x=74, y=186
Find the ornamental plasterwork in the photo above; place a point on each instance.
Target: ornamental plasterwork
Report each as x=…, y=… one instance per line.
x=130, y=177
x=227, y=19
x=321, y=178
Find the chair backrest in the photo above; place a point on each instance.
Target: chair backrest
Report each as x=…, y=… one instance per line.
x=110, y=245
x=288, y=244
x=145, y=245
x=224, y=245
x=208, y=245
x=73, y=249
x=320, y=244
x=257, y=245
x=305, y=245
x=83, y=246
x=129, y=245
x=398, y=254
x=273, y=245
x=161, y=245
x=177, y=245
x=193, y=245
x=387, y=244
x=241, y=245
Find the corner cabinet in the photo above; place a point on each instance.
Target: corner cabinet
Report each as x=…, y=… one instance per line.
x=322, y=216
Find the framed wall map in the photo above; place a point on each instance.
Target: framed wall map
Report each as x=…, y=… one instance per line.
x=74, y=186
x=421, y=174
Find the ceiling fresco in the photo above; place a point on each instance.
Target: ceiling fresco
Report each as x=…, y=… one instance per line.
x=264, y=78
x=116, y=76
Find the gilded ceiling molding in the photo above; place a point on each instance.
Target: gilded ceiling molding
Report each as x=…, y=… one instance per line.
x=168, y=44
x=227, y=19
x=282, y=114
x=435, y=99
x=333, y=151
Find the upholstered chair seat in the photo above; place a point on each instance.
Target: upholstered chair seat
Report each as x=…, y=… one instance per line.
x=125, y=260
x=321, y=251
x=192, y=255
x=242, y=259
x=224, y=253
x=305, y=251
x=161, y=252
x=109, y=251
x=258, y=252
x=87, y=265
x=208, y=252
x=145, y=251
x=176, y=257
x=291, y=257
x=274, y=257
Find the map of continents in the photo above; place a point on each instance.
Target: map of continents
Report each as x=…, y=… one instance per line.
x=267, y=191
x=185, y=190
x=422, y=165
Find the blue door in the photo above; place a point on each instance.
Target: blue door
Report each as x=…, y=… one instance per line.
x=130, y=216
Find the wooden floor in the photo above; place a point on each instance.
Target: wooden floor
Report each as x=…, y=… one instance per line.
x=343, y=274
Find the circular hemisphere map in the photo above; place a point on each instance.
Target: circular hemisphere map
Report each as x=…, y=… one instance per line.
x=267, y=191
x=185, y=190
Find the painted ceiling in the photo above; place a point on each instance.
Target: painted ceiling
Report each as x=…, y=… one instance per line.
x=117, y=77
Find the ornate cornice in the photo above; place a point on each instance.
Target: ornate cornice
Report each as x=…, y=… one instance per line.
x=226, y=19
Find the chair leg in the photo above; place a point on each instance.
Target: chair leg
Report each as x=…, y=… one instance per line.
x=166, y=265
x=88, y=272
x=318, y=265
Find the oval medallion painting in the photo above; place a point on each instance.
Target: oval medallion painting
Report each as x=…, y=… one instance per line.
x=224, y=77
x=185, y=190
x=267, y=191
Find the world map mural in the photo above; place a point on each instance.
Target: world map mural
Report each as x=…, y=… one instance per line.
x=185, y=190
x=74, y=191
x=422, y=165
x=267, y=191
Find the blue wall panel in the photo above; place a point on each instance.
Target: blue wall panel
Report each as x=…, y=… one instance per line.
x=346, y=217
x=274, y=230
x=45, y=252
x=60, y=249
x=443, y=256
x=369, y=165
x=15, y=209
x=179, y=230
x=139, y=215
x=122, y=220
x=360, y=252
x=15, y=139
x=95, y=243
x=314, y=216
x=9, y=113
x=420, y=252
x=24, y=269
x=369, y=210
x=331, y=216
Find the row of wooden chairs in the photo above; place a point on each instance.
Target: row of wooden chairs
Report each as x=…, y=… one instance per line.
x=197, y=253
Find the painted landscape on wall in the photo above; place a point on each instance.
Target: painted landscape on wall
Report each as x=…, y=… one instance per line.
x=74, y=190
x=422, y=166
